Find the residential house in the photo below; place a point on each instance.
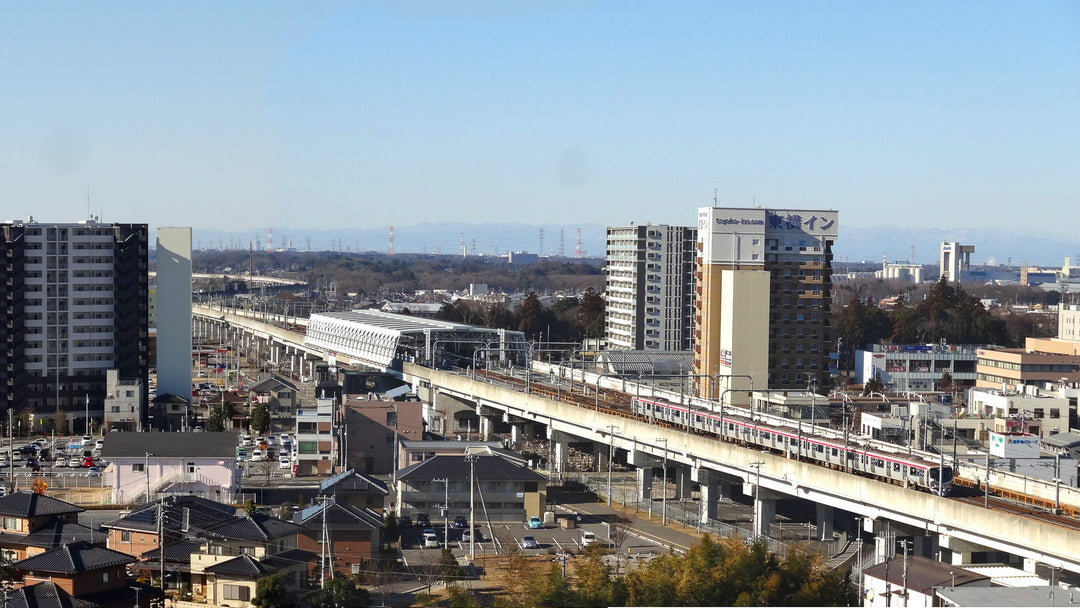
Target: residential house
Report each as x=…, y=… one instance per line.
x=280, y=397
x=356, y=489
x=352, y=535
x=914, y=583
x=508, y=490
x=169, y=412
x=142, y=464
x=92, y=575
x=31, y=524
x=123, y=410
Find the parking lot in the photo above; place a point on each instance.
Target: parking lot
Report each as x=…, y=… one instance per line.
x=500, y=537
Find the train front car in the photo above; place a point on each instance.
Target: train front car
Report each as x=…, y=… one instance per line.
x=941, y=480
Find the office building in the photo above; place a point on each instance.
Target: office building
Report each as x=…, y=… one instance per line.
x=650, y=288
x=74, y=306
x=764, y=286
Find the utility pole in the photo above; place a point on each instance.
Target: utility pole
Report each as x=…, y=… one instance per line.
x=663, y=497
x=471, y=459
x=611, y=456
x=758, y=515
x=146, y=466
x=161, y=543
x=11, y=446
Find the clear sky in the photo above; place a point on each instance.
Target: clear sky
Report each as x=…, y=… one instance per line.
x=238, y=115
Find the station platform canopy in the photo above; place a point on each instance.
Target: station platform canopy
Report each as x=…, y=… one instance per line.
x=645, y=362
x=383, y=340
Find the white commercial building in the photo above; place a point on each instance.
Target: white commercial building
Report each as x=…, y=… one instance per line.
x=649, y=297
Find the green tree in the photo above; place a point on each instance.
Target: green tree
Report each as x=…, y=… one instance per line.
x=873, y=385
x=593, y=584
x=529, y=315
x=272, y=592
x=860, y=323
x=548, y=589
x=250, y=506
x=221, y=416
x=339, y=592
x=47, y=425
x=592, y=314
x=731, y=573
x=286, y=511
x=260, y=418
x=448, y=567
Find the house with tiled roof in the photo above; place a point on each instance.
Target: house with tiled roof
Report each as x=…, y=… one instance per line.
x=34, y=523
x=357, y=489
x=232, y=582
x=353, y=533
x=268, y=540
x=80, y=575
x=508, y=490
x=198, y=464
x=280, y=397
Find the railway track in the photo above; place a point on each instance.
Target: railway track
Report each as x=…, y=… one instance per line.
x=617, y=403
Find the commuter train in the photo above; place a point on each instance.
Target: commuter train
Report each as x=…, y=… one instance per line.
x=802, y=443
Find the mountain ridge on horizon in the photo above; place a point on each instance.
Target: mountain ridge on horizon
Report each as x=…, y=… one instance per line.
x=993, y=246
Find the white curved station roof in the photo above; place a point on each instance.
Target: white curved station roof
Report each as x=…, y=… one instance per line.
x=378, y=338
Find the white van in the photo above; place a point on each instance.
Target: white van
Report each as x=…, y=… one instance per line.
x=587, y=538
x=431, y=541
x=258, y=456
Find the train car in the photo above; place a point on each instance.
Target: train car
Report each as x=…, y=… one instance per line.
x=802, y=443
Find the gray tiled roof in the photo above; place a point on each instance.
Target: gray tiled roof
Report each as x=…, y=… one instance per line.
x=58, y=532
x=241, y=566
x=29, y=504
x=351, y=481
x=46, y=594
x=179, y=551
x=170, y=445
x=289, y=559
x=202, y=513
x=257, y=527
x=74, y=558
x=487, y=468
x=339, y=516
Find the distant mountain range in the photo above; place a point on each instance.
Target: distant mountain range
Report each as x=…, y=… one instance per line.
x=992, y=246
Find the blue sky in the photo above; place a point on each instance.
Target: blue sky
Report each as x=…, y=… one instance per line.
x=241, y=115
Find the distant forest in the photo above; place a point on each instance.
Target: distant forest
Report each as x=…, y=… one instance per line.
x=374, y=276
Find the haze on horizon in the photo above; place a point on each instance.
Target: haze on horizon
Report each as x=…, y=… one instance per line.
x=246, y=114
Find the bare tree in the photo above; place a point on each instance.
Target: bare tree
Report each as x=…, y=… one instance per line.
x=619, y=529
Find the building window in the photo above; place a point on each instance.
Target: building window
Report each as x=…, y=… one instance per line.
x=235, y=592
x=125, y=536
x=1055, y=412
x=12, y=523
x=137, y=467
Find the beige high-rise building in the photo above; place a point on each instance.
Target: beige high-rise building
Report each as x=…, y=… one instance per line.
x=764, y=286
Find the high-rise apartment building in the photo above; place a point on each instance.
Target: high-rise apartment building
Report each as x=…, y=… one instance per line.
x=73, y=305
x=764, y=286
x=650, y=287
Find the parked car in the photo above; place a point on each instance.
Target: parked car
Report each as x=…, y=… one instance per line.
x=257, y=456
x=60, y=462
x=87, y=440
x=423, y=520
x=4, y=462
x=529, y=542
x=284, y=462
x=31, y=463
x=465, y=534
x=88, y=461
x=75, y=462
x=588, y=538
x=461, y=521
x=535, y=523
x=431, y=541
x=94, y=472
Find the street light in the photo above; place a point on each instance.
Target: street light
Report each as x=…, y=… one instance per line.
x=663, y=497
x=137, y=589
x=758, y=515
